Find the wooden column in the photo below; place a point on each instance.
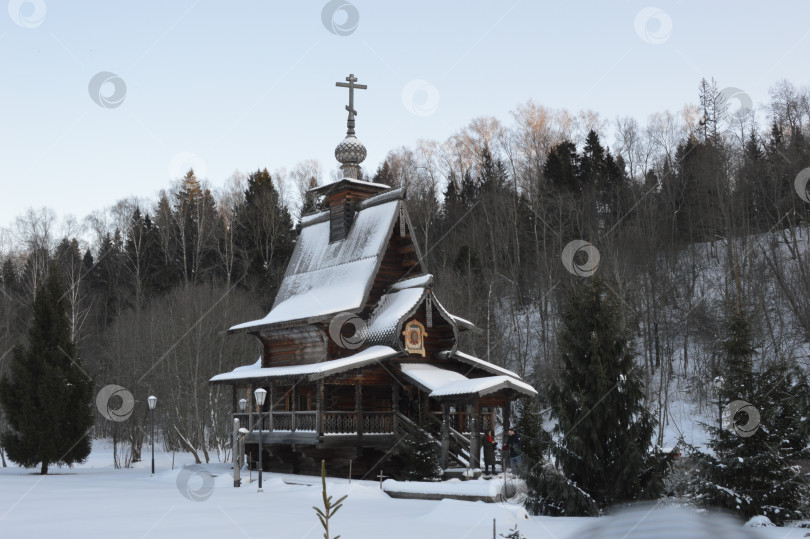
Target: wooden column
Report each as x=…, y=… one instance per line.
x=293, y=406
x=321, y=394
x=272, y=402
x=358, y=407
x=395, y=407
x=445, y=435
x=475, y=436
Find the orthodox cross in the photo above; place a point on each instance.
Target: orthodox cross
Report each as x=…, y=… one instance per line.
x=350, y=107
x=381, y=476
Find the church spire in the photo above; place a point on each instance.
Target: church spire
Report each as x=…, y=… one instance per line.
x=350, y=152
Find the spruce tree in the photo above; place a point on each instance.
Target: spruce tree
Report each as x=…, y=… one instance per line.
x=753, y=470
x=421, y=454
x=46, y=398
x=603, y=427
x=264, y=234
x=561, y=168
x=535, y=441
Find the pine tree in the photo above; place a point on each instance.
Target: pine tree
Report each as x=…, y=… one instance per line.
x=47, y=398
x=752, y=470
x=605, y=430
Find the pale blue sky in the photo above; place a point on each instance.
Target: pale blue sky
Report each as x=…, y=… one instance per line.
x=250, y=84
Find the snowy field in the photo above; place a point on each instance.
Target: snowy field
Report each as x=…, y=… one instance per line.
x=96, y=500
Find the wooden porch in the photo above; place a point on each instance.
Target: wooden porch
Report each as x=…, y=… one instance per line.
x=317, y=427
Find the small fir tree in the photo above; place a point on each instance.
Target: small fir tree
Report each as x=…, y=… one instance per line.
x=46, y=398
x=422, y=455
x=329, y=507
x=753, y=470
x=513, y=533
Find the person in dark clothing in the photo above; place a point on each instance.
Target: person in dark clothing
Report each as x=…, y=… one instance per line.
x=488, y=443
x=514, y=450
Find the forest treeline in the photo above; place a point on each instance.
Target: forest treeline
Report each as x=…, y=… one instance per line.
x=692, y=211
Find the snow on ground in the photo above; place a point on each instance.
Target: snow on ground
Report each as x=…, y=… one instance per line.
x=96, y=500
x=686, y=421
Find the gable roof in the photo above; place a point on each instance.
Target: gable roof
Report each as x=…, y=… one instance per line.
x=446, y=383
x=393, y=308
x=324, y=278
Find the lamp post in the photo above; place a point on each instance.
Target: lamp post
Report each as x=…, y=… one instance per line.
x=260, y=395
x=152, y=400
x=242, y=406
x=718, y=385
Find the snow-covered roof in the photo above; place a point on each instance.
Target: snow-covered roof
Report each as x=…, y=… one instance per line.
x=324, y=278
x=423, y=281
x=483, y=386
x=348, y=181
x=480, y=363
x=445, y=383
x=430, y=376
x=462, y=323
x=313, y=371
x=383, y=323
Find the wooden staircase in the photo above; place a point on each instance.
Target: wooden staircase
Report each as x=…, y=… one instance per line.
x=459, y=445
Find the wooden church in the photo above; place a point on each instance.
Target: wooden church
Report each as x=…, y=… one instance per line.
x=357, y=349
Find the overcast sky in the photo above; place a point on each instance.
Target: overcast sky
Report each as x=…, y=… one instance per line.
x=248, y=84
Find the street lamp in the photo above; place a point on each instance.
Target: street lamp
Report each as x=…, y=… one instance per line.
x=242, y=406
x=260, y=395
x=718, y=385
x=152, y=400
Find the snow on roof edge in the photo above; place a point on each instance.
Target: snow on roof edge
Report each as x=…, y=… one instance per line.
x=486, y=365
x=313, y=370
x=326, y=186
x=446, y=383
x=483, y=386
x=423, y=281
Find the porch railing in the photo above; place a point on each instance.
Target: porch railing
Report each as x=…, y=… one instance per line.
x=339, y=423
x=378, y=422
x=334, y=422
x=462, y=422
x=281, y=420
x=306, y=421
